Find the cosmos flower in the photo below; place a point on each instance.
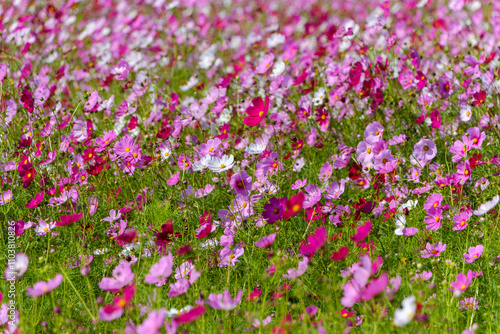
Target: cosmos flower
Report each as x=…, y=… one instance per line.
x=487, y=206
x=257, y=111
x=474, y=253
x=41, y=287
x=219, y=165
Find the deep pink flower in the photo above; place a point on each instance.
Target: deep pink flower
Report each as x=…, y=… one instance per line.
x=69, y=219
x=362, y=232
x=257, y=111
x=294, y=205
x=315, y=242
x=190, y=315
x=33, y=203
x=479, y=98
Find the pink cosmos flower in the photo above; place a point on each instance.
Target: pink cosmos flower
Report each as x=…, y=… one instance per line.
x=433, y=201
x=476, y=137
x=257, y=111
x=433, y=220
x=41, y=287
x=265, y=241
x=301, y=269
x=433, y=250
x=241, y=183
x=299, y=184
x=474, y=253
x=173, y=180
x=6, y=197
x=462, y=282
x=460, y=221
x=374, y=132
x=17, y=268
x=121, y=70
x=210, y=147
x=425, y=275
x=335, y=190
x=159, y=272
x=463, y=172
x=123, y=276
x=425, y=150
x=114, y=311
x=153, y=323
x=364, y=151
x=384, y=162
x=224, y=301
x=229, y=257
x=124, y=147
x=265, y=64
x=178, y=288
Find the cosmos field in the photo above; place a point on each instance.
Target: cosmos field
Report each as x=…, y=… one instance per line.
x=231, y=166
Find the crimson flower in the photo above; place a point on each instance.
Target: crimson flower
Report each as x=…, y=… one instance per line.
x=479, y=98
x=340, y=254
x=294, y=205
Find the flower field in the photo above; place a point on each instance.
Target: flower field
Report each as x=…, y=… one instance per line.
x=231, y=166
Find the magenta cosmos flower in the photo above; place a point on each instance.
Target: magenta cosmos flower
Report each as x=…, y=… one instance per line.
x=315, y=242
x=257, y=111
x=41, y=288
x=433, y=250
x=362, y=232
x=433, y=220
x=69, y=219
x=474, y=253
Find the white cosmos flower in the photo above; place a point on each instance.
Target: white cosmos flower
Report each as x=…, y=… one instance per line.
x=203, y=163
x=405, y=312
x=278, y=68
x=256, y=148
x=165, y=153
x=465, y=113
x=485, y=207
x=193, y=81
x=221, y=164
x=175, y=312
x=400, y=223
